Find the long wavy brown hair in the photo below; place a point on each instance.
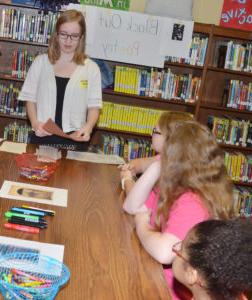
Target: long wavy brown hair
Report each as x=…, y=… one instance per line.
x=191, y=160
x=54, y=49
x=166, y=119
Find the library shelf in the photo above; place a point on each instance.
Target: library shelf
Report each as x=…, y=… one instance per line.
x=20, y=6
x=124, y=132
x=208, y=106
x=145, y=98
x=228, y=71
x=209, y=100
x=182, y=65
x=10, y=78
x=9, y=40
x=15, y=117
x=235, y=148
x=242, y=183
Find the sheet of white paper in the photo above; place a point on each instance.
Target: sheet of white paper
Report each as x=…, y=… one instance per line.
x=176, y=37
x=52, y=250
x=124, y=36
x=12, y=147
x=95, y=158
x=34, y=193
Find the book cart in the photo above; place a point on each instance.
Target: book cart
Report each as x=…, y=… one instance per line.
x=214, y=85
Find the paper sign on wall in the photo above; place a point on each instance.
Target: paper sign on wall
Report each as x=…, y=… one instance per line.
x=176, y=37
x=134, y=38
x=126, y=37
x=237, y=14
x=113, y=4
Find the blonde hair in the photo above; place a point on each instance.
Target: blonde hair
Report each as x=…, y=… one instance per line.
x=54, y=49
x=192, y=161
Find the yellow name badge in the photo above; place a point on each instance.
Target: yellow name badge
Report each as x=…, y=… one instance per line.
x=83, y=84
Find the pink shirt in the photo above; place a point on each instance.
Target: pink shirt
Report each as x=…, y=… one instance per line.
x=186, y=211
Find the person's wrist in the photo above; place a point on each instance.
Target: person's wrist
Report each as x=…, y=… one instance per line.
x=125, y=178
x=88, y=128
x=35, y=125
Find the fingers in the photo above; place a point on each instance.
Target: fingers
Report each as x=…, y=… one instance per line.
x=85, y=137
x=41, y=132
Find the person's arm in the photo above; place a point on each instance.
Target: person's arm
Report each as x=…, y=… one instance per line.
x=84, y=133
x=136, y=198
x=138, y=165
x=127, y=180
x=157, y=244
x=37, y=126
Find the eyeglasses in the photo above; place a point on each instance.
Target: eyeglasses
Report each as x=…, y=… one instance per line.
x=155, y=131
x=176, y=248
x=65, y=36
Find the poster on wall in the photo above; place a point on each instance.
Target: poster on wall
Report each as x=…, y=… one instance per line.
x=237, y=14
x=125, y=36
x=113, y=4
x=134, y=38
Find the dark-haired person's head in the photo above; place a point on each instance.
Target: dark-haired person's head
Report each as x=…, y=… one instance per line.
x=215, y=259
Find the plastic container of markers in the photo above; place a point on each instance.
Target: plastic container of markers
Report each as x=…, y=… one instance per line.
x=30, y=167
x=31, y=276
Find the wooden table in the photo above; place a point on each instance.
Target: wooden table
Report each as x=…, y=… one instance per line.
x=102, y=251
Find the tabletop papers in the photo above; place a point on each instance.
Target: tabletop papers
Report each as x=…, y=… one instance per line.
x=95, y=158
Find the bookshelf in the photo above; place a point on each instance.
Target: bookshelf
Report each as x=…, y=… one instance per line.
x=214, y=78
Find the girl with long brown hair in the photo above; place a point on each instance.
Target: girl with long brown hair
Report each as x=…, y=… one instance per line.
x=187, y=186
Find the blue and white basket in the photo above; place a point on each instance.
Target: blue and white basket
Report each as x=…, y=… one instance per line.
x=26, y=275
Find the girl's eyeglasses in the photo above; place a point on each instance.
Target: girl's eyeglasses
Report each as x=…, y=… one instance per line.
x=155, y=131
x=65, y=36
x=176, y=248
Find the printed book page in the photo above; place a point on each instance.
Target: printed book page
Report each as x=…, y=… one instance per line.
x=95, y=158
x=12, y=147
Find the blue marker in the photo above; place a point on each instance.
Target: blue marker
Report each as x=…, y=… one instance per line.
x=27, y=211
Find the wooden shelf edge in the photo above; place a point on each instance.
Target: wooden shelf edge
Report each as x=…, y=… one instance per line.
x=235, y=148
x=153, y=99
x=182, y=65
x=2, y=115
x=208, y=105
x=232, y=33
x=117, y=131
x=9, y=77
x=215, y=69
x=241, y=183
x=4, y=39
x=20, y=6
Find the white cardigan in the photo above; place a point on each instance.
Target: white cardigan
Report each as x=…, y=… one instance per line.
x=83, y=91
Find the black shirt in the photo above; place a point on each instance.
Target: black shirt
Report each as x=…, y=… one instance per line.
x=61, y=83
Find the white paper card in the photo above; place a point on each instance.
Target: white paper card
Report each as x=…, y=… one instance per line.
x=176, y=37
x=54, y=251
x=34, y=193
x=12, y=147
x=95, y=158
